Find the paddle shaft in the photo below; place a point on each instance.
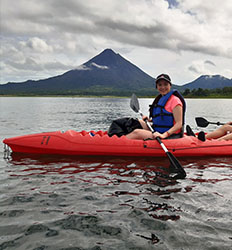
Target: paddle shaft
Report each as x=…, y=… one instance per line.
x=217, y=123
x=147, y=122
x=152, y=130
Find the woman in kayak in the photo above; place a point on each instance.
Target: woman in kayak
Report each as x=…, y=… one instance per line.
x=222, y=133
x=167, y=113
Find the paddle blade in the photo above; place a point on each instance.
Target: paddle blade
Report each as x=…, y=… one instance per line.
x=201, y=122
x=134, y=103
x=178, y=171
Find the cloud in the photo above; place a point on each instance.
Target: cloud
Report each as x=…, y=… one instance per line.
x=209, y=62
x=70, y=32
x=38, y=45
x=201, y=67
x=141, y=23
x=99, y=66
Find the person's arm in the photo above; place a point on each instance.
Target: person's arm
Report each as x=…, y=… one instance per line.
x=178, y=116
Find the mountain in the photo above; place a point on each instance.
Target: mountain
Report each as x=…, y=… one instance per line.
x=106, y=73
x=209, y=82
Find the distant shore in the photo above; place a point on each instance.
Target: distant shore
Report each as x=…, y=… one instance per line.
x=219, y=93
x=112, y=96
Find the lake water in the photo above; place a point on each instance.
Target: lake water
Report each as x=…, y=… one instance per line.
x=95, y=203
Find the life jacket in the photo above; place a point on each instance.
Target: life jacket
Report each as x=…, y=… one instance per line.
x=161, y=118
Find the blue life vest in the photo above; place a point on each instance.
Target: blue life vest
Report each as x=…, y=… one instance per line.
x=161, y=118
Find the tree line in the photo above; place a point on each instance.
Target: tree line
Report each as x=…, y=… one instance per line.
x=225, y=92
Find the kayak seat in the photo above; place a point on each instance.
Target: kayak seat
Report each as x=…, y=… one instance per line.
x=201, y=136
x=189, y=131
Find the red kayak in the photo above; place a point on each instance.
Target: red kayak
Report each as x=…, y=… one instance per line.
x=99, y=143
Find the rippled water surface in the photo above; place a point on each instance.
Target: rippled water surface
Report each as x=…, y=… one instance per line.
x=95, y=203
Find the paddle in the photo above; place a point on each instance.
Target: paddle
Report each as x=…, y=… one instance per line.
x=179, y=171
x=202, y=122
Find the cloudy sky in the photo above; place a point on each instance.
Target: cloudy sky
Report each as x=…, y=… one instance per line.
x=184, y=38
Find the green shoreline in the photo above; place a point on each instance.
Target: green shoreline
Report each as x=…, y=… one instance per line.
x=112, y=96
x=200, y=93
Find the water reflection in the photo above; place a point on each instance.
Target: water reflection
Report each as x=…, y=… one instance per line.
x=133, y=177
x=143, y=177
x=126, y=169
x=141, y=170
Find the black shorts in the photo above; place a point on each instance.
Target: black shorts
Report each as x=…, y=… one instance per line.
x=174, y=136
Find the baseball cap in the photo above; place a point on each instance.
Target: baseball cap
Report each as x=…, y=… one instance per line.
x=163, y=77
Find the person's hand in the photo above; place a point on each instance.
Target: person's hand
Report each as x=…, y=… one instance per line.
x=157, y=134
x=146, y=118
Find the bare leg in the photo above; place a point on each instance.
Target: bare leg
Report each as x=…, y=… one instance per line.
x=226, y=137
x=220, y=132
x=141, y=134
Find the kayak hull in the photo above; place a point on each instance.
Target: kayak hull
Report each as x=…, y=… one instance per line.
x=83, y=143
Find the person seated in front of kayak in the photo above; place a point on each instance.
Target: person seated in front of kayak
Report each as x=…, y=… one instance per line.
x=167, y=113
x=222, y=133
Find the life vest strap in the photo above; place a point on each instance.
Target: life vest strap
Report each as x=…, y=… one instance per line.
x=153, y=116
x=161, y=126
